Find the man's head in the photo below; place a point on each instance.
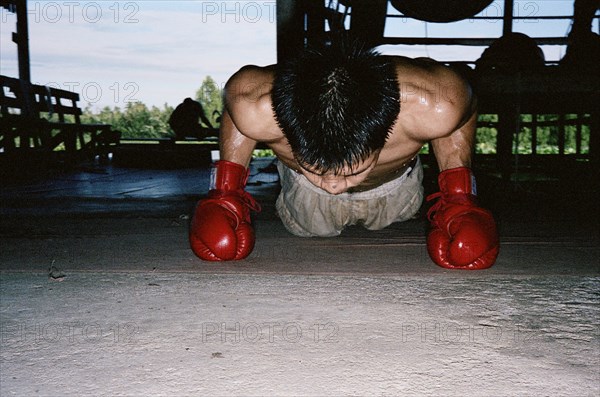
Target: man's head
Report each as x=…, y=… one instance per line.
x=336, y=105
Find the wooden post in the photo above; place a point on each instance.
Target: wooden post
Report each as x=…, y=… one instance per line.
x=290, y=28
x=21, y=38
x=534, y=127
x=561, y=134
x=595, y=140
x=368, y=20
x=508, y=126
x=508, y=17
x=595, y=150
x=578, y=136
x=314, y=22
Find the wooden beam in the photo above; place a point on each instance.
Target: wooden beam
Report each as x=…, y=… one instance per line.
x=21, y=38
x=290, y=28
x=508, y=17
x=464, y=41
x=367, y=19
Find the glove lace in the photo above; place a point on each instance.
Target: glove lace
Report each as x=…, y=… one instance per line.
x=435, y=207
x=250, y=201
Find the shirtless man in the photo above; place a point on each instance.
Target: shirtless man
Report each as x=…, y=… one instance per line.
x=347, y=124
x=184, y=120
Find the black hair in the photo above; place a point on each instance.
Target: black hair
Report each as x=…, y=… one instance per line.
x=337, y=104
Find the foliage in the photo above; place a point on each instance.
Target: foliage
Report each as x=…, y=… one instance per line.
x=547, y=134
x=135, y=121
x=485, y=139
x=210, y=96
x=263, y=153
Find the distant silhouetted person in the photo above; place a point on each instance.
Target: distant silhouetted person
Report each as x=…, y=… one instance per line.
x=583, y=52
x=185, y=120
x=511, y=53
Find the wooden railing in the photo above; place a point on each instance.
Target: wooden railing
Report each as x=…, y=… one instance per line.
x=48, y=119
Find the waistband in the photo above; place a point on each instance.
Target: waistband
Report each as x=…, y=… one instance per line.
x=377, y=191
x=401, y=173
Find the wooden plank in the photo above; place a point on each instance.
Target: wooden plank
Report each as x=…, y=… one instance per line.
x=467, y=41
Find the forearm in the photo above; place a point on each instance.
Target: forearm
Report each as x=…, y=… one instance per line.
x=463, y=235
x=234, y=146
x=206, y=122
x=456, y=149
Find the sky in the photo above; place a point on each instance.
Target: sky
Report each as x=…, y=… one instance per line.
x=159, y=52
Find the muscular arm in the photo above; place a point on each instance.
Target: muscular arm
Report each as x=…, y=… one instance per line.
x=460, y=111
x=205, y=120
x=233, y=145
x=248, y=117
x=455, y=150
x=463, y=235
x=438, y=106
x=221, y=228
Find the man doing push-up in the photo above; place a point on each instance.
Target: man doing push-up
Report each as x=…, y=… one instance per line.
x=346, y=125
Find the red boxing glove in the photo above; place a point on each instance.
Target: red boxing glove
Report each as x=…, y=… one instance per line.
x=462, y=235
x=221, y=228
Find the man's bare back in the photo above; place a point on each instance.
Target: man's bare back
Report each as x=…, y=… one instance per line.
x=435, y=105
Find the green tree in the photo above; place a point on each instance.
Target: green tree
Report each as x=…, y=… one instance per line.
x=486, y=135
x=139, y=121
x=135, y=121
x=211, y=97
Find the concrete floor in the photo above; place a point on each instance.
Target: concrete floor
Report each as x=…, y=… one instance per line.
x=100, y=295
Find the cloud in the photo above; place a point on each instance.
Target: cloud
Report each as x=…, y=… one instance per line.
x=160, y=51
x=165, y=52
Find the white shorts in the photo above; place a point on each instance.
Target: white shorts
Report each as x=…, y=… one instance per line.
x=309, y=211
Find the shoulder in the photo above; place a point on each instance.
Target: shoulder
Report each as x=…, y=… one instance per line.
x=435, y=100
x=429, y=73
x=248, y=101
x=250, y=78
